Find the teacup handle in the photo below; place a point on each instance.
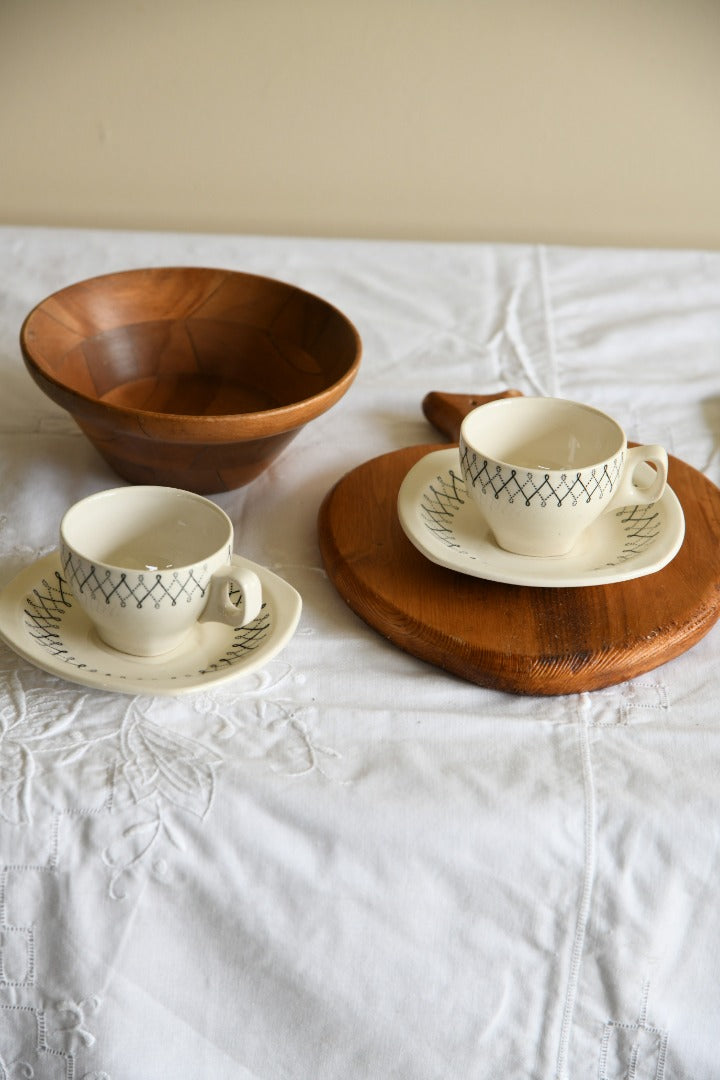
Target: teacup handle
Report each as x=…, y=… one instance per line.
x=629, y=491
x=220, y=606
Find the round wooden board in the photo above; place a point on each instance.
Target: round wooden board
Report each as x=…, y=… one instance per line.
x=519, y=639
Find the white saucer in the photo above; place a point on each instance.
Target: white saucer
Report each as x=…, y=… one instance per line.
x=448, y=529
x=40, y=622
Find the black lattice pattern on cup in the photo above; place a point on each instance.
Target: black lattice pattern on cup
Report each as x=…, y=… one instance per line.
x=536, y=488
x=136, y=589
x=442, y=499
x=49, y=603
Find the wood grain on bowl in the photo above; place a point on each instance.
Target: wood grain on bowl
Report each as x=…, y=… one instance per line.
x=187, y=376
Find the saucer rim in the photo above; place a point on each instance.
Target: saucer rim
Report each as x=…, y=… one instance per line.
x=532, y=571
x=284, y=600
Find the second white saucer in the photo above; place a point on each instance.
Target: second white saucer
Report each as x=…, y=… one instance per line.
x=39, y=620
x=442, y=523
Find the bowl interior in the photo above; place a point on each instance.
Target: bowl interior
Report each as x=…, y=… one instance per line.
x=190, y=341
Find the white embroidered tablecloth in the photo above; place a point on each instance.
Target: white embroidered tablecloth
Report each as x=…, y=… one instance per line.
x=350, y=864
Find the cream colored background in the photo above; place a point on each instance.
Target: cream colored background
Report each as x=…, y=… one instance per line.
x=557, y=120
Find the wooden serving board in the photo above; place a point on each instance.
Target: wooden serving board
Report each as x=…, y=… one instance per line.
x=520, y=639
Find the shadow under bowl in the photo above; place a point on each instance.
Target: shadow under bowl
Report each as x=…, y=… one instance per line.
x=190, y=377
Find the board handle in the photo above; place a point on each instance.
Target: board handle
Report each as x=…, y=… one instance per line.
x=446, y=412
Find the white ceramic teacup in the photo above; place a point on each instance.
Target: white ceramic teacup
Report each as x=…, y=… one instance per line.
x=542, y=470
x=146, y=563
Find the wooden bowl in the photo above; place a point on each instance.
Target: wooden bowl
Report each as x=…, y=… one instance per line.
x=190, y=377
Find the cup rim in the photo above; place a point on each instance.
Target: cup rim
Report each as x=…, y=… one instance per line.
x=521, y=402
x=131, y=491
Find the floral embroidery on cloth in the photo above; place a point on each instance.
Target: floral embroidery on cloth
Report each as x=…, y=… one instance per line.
x=118, y=771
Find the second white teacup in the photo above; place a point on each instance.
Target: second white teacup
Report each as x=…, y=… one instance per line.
x=146, y=563
x=542, y=470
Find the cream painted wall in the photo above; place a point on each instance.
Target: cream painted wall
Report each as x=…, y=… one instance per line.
x=578, y=121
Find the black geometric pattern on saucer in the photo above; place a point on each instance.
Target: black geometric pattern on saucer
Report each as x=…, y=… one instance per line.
x=49, y=603
x=584, y=485
x=442, y=499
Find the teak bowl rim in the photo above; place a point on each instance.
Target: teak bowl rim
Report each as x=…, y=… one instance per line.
x=278, y=419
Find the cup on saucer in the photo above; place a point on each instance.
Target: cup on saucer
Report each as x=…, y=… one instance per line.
x=542, y=470
x=147, y=563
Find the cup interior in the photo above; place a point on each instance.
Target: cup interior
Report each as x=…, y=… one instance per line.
x=146, y=528
x=548, y=434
